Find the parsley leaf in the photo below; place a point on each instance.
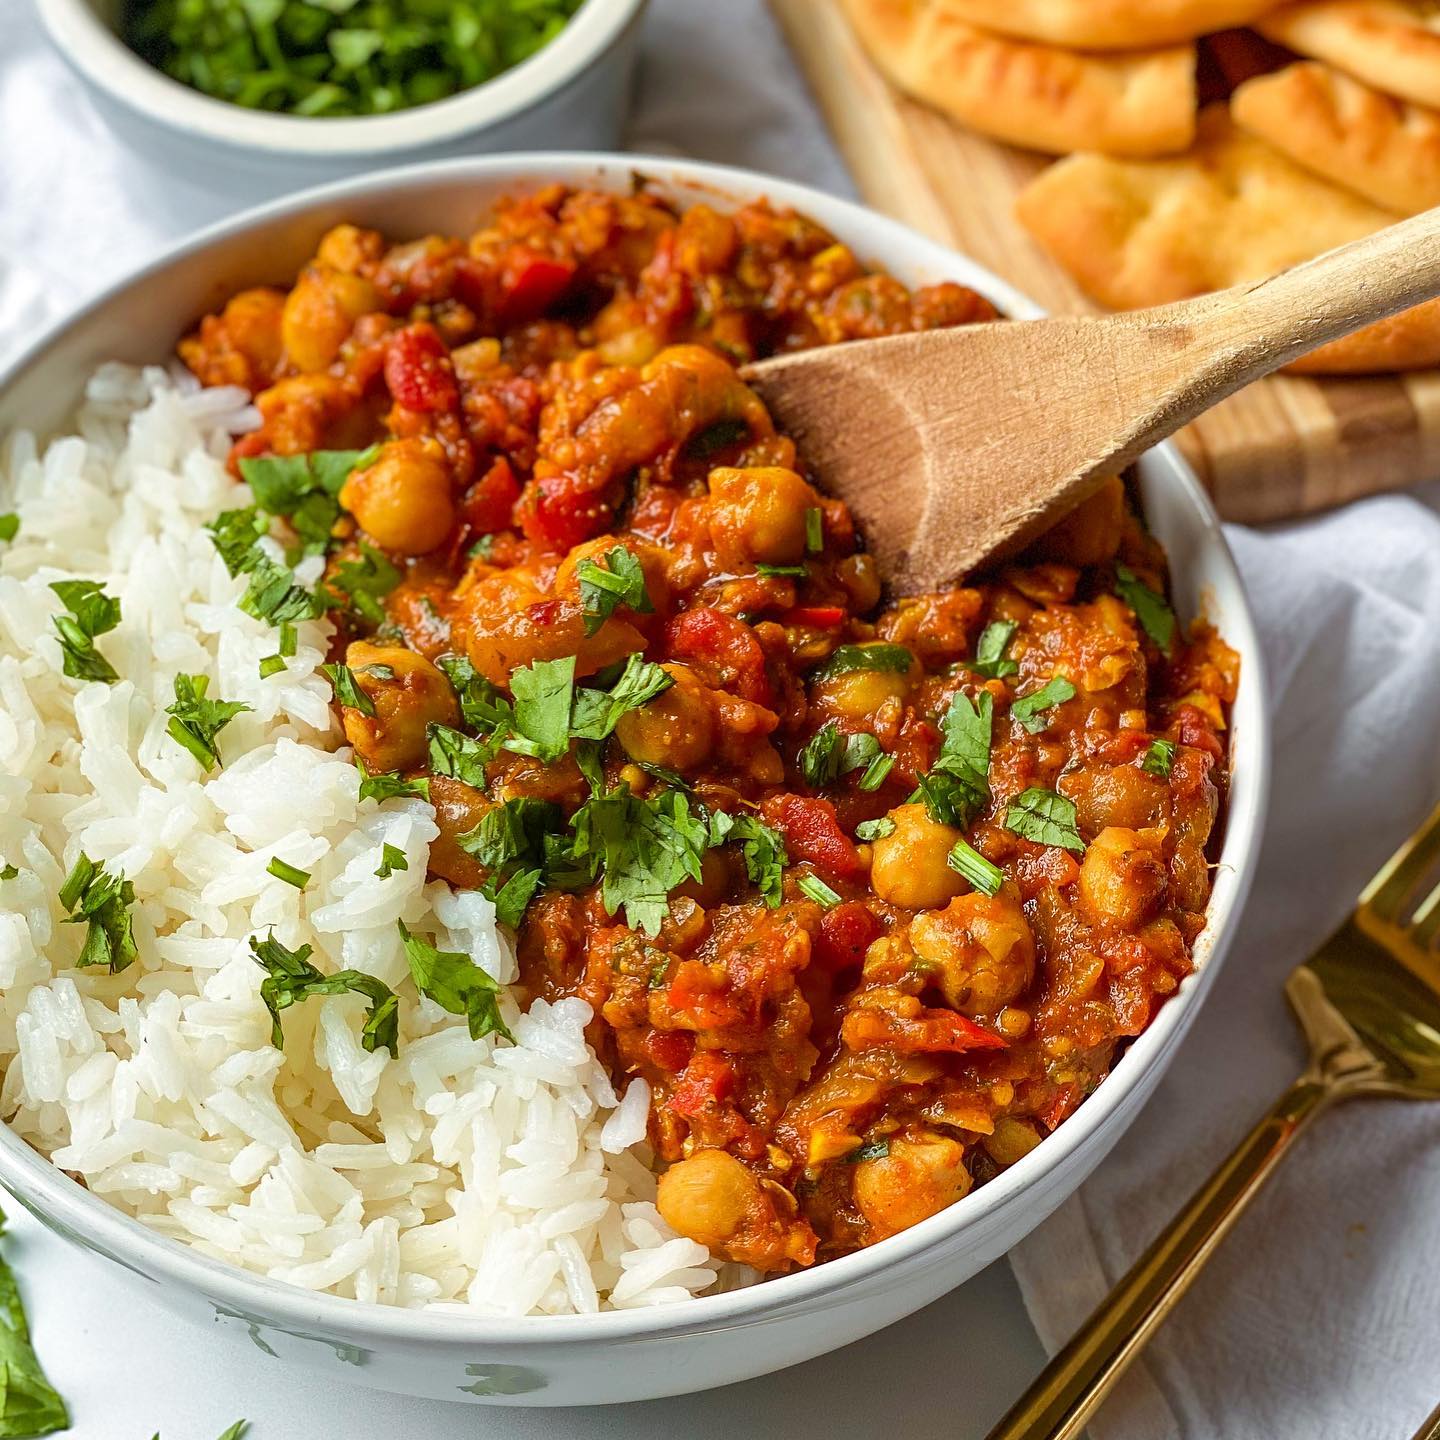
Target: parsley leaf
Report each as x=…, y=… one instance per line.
x=595, y=713
x=101, y=901
x=290, y=977
x=92, y=613
x=29, y=1404
x=602, y=592
x=1030, y=710
x=1151, y=608
x=543, y=694
x=196, y=721
x=1046, y=818
x=511, y=896
x=990, y=659
x=1159, y=758
x=392, y=858
x=893, y=658
x=347, y=689
x=456, y=984
x=967, y=861
x=389, y=785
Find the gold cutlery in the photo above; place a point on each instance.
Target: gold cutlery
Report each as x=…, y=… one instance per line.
x=1368, y=1001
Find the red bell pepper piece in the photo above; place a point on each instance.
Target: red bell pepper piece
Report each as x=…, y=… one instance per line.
x=820, y=617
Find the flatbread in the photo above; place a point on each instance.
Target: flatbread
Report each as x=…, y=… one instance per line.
x=1147, y=232
x=1108, y=24
x=1390, y=44
x=1385, y=149
x=1043, y=98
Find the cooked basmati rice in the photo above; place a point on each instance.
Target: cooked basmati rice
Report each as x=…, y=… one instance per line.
x=501, y=1179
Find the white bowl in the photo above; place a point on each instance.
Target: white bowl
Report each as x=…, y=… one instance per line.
x=630, y=1355
x=572, y=94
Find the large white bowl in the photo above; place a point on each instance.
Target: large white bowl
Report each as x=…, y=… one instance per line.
x=629, y=1355
x=573, y=94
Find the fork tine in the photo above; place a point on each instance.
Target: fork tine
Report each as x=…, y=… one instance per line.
x=1386, y=894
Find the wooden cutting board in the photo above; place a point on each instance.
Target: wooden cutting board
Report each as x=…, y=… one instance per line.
x=1283, y=447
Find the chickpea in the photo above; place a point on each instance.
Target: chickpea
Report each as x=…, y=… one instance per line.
x=860, y=694
x=320, y=313
x=908, y=866
x=980, y=949
x=1090, y=533
x=860, y=576
x=759, y=514
x=1121, y=879
x=418, y=695
x=676, y=729
x=403, y=501
x=917, y=1178
x=1012, y=1140
x=458, y=809
x=652, y=562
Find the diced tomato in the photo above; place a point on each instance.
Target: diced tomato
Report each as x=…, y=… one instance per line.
x=700, y=998
x=418, y=371
x=931, y=1031
x=727, y=646
x=708, y=1079
x=669, y=1049
x=557, y=516
x=846, y=933
x=1197, y=731
x=489, y=504
x=821, y=617
x=813, y=833
x=531, y=283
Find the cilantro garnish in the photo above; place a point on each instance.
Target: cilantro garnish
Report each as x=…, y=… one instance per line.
x=9, y=872
x=360, y=584
x=814, y=531
x=389, y=785
x=814, y=888
x=456, y=984
x=828, y=755
x=274, y=595
x=482, y=706
x=1030, y=710
x=1151, y=608
x=958, y=785
x=29, y=1404
x=290, y=977
x=595, y=713
x=93, y=896
x=1046, y=818
x=543, y=693
x=347, y=689
x=234, y=533
x=967, y=861
x=513, y=842
x=990, y=652
x=762, y=847
x=875, y=829
x=458, y=757
x=290, y=874
x=92, y=613
x=392, y=858
x=893, y=658
x=303, y=489
x=875, y=1150
x=1159, y=758
x=9, y=526
x=195, y=721
x=603, y=591
x=795, y=572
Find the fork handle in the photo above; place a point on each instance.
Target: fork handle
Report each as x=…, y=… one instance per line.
x=1070, y=1388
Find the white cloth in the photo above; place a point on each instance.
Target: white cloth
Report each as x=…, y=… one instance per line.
x=1318, y=1318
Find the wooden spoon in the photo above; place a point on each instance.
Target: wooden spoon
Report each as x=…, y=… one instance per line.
x=958, y=446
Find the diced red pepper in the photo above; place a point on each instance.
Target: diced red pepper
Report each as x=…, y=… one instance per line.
x=706, y=1080
x=820, y=617
x=727, y=645
x=930, y=1031
x=531, y=283
x=813, y=833
x=846, y=932
x=418, y=371
x=489, y=504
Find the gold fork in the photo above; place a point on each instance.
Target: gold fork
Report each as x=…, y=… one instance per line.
x=1369, y=1003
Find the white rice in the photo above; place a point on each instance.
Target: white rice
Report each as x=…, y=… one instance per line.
x=501, y=1179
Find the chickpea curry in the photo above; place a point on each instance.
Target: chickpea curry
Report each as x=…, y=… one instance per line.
x=869, y=892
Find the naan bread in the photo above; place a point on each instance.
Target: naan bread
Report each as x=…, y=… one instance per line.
x=1384, y=149
x=1391, y=44
x=1108, y=24
x=1138, y=103
x=1146, y=232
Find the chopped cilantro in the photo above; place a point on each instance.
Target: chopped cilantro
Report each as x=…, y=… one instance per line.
x=234, y=533
x=1046, y=818
x=392, y=858
x=93, y=896
x=814, y=888
x=543, y=694
x=893, y=658
x=595, y=713
x=290, y=874
x=828, y=755
x=290, y=978
x=359, y=584
x=456, y=984
x=875, y=829
x=458, y=757
x=482, y=706
x=1030, y=710
x=482, y=548
x=274, y=595
x=9, y=526
x=814, y=531
x=92, y=613
x=1151, y=609
x=875, y=1150
x=762, y=848
x=796, y=572
x=389, y=785
x=303, y=489
x=511, y=895
x=958, y=786
x=967, y=861
x=603, y=591
x=512, y=833
x=1159, y=758
x=876, y=773
x=9, y=872
x=195, y=721
x=29, y=1404
x=990, y=659
x=347, y=689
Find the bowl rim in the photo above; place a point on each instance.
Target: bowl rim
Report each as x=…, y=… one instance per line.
x=94, y=48
x=42, y=1186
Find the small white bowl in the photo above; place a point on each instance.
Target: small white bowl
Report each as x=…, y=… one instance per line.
x=663, y=1350
x=573, y=94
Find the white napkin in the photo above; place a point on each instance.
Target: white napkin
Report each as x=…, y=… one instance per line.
x=1319, y=1317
